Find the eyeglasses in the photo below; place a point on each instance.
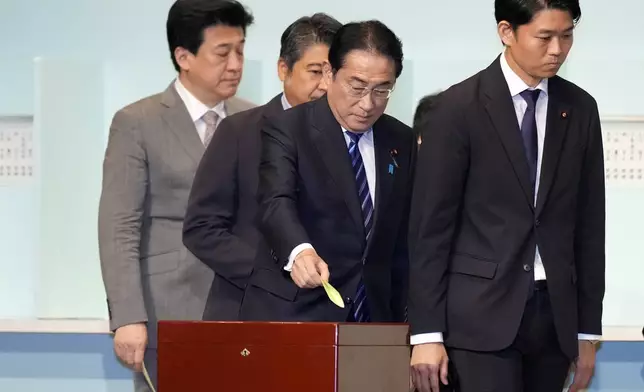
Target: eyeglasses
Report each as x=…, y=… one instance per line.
x=377, y=93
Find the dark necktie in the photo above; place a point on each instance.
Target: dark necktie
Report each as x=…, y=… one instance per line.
x=360, y=306
x=529, y=133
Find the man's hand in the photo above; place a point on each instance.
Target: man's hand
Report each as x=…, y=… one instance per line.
x=129, y=345
x=309, y=270
x=584, y=366
x=429, y=366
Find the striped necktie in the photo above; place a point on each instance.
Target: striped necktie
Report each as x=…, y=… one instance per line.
x=360, y=306
x=210, y=118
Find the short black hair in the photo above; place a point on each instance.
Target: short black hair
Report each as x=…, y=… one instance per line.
x=521, y=12
x=305, y=32
x=187, y=20
x=372, y=36
x=424, y=107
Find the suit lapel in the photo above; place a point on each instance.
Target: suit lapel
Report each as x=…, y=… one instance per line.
x=332, y=146
x=181, y=125
x=556, y=127
x=384, y=147
x=500, y=109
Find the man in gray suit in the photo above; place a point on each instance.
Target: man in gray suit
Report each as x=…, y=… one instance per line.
x=153, y=151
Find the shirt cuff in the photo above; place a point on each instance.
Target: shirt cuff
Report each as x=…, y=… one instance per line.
x=424, y=338
x=585, y=336
x=296, y=251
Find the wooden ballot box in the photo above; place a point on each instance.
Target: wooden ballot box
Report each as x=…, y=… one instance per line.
x=282, y=357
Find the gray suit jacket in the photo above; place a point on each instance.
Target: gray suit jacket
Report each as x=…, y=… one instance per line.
x=150, y=162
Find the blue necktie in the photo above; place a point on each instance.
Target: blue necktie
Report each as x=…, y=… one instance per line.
x=530, y=144
x=529, y=134
x=360, y=306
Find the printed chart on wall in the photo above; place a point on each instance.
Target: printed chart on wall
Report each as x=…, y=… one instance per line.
x=17, y=155
x=624, y=152
x=623, y=139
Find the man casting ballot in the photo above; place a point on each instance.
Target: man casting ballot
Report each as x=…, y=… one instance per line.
x=334, y=189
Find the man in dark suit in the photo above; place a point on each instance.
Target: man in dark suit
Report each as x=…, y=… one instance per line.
x=507, y=228
x=334, y=191
x=220, y=224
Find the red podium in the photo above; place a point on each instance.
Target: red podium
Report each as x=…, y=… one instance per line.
x=282, y=357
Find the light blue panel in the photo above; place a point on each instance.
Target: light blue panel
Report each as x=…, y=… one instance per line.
x=130, y=31
x=434, y=75
x=251, y=87
x=624, y=299
x=18, y=245
x=620, y=368
x=608, y=62
x=18, y=78
x=69, y=121
x=67, y=385
x=401, y=104
x=45, y=28
x=271, y=83
x=60, y=362
x=615, y=91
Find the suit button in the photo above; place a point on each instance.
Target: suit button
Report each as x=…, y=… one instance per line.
x=527, y=267
x=537, y=223
x=348, y=301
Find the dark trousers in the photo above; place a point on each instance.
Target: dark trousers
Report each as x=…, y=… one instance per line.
x=533, y=363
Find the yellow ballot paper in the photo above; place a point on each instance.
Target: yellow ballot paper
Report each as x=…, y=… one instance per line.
x=147, y=378
x=333, y=294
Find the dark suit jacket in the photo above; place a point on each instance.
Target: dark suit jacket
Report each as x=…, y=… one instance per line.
x=474, y=226
x=307, y=194
x=219, y=227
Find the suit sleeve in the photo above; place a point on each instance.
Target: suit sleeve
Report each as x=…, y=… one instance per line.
x=590, y=232
x=277, y=194
x=400, y=271
x=441, y=172
x=125, y=180
x=212, y=209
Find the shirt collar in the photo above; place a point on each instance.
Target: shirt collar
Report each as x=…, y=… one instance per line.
x=285, y=103
x=195, y=107
x=368, y=135
x=515, y=83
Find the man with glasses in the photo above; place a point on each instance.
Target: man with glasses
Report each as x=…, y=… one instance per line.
x=334, y=189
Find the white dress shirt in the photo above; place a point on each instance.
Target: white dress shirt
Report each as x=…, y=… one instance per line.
x=197, y=109
x=517, y=86
x=366, y=147
x=285, y=103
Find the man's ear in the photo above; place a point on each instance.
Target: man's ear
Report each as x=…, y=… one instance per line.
x=282, y=69
x=506, y=33
x=327, y=73
x=183, y=56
